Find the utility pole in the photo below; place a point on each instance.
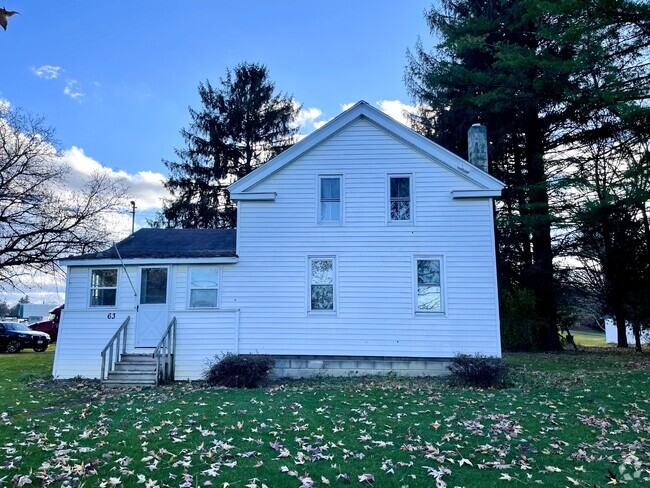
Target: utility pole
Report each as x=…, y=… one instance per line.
x=132, y=216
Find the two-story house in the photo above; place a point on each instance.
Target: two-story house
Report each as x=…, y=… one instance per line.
x=364, y=247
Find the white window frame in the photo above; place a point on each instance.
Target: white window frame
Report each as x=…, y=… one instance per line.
x=443, y=287
x=411, y=178
x=189, y=288
x=335, y=279
x=341, y=199
x=91, y=287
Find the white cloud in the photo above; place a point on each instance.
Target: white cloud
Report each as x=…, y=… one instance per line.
x=145, y=187
x=48, y=72
x=345, y=106
x=4, y=104
x=320, y=123
x=396, y=109
x=71, y=89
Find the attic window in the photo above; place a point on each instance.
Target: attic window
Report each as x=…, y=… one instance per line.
x=329, y=192
x=103, y=287
x=400, y=208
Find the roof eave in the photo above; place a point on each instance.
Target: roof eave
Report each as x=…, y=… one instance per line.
x=144, y=261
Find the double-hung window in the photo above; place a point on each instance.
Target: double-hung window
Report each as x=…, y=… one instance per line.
x=204, y=287
x=429, y=285
x=400, y=205
x=322, y=277
x=103, y=287
x=329, y=199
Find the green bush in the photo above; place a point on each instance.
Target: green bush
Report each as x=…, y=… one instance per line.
x=239, y=370
x=521, y=326
x=478, y=371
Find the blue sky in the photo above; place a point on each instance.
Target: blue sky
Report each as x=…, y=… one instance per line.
x=115, y=78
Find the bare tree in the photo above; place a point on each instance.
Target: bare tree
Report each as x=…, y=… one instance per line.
x=42, y=218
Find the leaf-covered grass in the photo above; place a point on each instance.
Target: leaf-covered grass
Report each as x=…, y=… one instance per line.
x=571, y=419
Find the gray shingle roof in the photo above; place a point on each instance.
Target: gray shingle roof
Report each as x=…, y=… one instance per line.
x=171, y=243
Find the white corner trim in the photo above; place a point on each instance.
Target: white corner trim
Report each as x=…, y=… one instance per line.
x=260, y=196
x=456, y=194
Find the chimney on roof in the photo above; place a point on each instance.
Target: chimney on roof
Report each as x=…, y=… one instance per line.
x=477, y=148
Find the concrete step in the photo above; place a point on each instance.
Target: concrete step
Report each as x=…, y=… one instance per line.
x=132, y=376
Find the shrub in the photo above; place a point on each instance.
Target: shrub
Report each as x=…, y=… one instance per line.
x=239, y=370
x=478, y=371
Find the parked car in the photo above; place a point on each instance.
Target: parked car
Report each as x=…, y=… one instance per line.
x=14, y=337
x=51, y=325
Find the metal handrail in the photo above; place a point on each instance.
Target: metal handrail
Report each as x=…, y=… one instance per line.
x=165, y=353
x=117, y=342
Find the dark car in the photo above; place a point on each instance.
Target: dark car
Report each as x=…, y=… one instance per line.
x=51, y=325
x=14, y=337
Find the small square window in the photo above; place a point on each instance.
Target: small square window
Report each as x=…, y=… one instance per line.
x=204, y=287
x=329, y=199
x=400, y=201
x=103, y=287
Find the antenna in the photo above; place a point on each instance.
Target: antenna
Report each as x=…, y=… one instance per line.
x=132, y=216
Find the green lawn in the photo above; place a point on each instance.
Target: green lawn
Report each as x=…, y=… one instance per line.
x=590, y=339
x=569, y=420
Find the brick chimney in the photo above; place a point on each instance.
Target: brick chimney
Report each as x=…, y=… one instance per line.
x=477, y=148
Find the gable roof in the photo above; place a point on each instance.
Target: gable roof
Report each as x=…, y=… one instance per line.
x=486, y=184
x=167, y=243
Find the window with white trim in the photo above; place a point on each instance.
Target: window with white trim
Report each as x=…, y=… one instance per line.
x=329, y=199
x=400, y=208
x=322, y=277
x=103, y=287
x=204, y=287
x=429, y=285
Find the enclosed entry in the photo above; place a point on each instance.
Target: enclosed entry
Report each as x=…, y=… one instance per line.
x=153, y=310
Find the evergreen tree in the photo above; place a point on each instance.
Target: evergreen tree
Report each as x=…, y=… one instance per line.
x=546, y=77
x=240, y=125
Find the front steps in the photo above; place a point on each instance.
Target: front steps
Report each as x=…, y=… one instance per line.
x=133, y=370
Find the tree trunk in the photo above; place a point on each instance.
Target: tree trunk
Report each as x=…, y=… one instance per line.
x=636, y=328
x=542, y=280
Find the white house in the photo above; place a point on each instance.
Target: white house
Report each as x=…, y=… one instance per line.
x=365, y=246
x=611, y=333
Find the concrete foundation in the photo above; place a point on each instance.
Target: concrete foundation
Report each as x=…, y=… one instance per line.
x=307, y=366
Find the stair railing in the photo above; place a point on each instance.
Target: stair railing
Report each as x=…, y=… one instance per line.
x=116, y=347
x=165, y=354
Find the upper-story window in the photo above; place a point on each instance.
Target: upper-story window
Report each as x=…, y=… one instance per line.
x=103, y=287
x=400, y=198
x=204, y=287
x=329, y=199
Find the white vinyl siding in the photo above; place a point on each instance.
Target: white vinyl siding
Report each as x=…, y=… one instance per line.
x=103, y=287
x=330, y=205
x=204, y=287
x=264, y=298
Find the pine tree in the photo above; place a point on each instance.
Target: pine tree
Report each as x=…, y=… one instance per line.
x=240, y=125
x=546, y=77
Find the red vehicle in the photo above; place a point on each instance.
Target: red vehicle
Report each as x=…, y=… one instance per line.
x=51, y=325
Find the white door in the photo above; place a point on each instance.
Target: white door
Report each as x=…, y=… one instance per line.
x=152, y=310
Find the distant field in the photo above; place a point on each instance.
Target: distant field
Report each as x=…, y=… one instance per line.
x=590, y=339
